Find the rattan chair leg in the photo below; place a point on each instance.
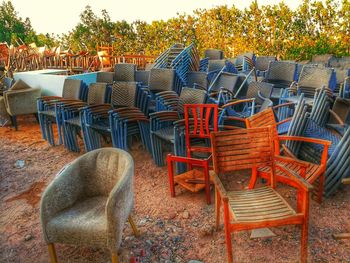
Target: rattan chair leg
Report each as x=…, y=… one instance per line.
x=52, y=252
x=133, y=226
x=115, y=258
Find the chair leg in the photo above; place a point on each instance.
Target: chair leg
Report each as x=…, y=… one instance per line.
x=115, y=258
x=304, y=241
x=14, y=122
x=227, y=232
x=52, y=252
x=36, y=117
x=133, y=226
x=320, y=188
x=217, y=208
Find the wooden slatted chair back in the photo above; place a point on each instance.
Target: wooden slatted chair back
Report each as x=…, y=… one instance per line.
x=200, y=121
x=241, y=149
x=264, y=118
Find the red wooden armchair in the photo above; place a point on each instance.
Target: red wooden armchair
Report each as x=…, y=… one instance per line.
x=309, y=171
x=262, y=207
x=200, y=121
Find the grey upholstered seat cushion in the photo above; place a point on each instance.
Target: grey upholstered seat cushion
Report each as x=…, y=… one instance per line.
x=77, y=224
x=48, y=113
x=166, y=134
x=74, y=121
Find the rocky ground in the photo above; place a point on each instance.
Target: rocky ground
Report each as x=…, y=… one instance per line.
x=173, y=229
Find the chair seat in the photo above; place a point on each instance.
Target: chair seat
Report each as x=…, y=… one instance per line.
x=74, y=121
x=261, y=204
x=166, y=134
x=311, y=172
x=85, y=223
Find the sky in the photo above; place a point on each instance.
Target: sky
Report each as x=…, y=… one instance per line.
x=60, y=16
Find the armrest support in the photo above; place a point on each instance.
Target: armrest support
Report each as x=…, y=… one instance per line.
x=301, y=182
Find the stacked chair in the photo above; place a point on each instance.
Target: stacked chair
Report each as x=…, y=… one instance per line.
x=167, y=125
x=281, y=74
x=262, y=65
x=310, y=80
x=70, y=112
x=48, y=112
x=120, y=119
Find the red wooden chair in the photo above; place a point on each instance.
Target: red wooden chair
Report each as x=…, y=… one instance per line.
x=241, y=149
x=309, y=171
x=200, y=121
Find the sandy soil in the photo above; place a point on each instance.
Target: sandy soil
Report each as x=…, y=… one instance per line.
x=173, y=229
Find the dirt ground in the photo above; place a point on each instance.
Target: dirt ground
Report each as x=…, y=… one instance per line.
x=173, y=229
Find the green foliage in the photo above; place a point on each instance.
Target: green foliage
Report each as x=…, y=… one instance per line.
x=315, y=27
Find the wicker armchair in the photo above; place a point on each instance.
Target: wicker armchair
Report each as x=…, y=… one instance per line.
x=21, y=99
x=89, y=201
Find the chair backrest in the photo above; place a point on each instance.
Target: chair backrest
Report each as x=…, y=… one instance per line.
x=225, y=80
x=142, y=76
x=261, y=119
x=105, y=77
x=313, y=78
x=200, y=121
x=124, y=72
x=262, y=63
x=342, y=108
x=197, y=77
x=281, y=71
x=216, y=64
x=72, y=89
x=102, y=169
x=254, y=88
x=192, y=96
x=97, y=93
x=322, y=59
x=124, y=94
x=161, y=79
x=213, y=54
x=240, y=149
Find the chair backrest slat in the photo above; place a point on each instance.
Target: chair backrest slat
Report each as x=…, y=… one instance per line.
x=242, y=149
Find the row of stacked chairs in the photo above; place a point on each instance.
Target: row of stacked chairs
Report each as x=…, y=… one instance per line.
x=149, y=103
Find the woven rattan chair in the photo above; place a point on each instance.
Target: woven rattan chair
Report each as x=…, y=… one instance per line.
x=89, y=202
x=281, y=74
x=197, y=79
x=142, y=76
x=20, y=99
x=262, y=64
x=310, y=80
x=47, y=113
x=241, y=149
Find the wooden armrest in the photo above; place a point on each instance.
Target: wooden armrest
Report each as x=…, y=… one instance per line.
x=304, y=139
x=288, y=152
x=306, y=186
x=284, y=121
x=345, y=180
x=336, y=116
x=218, y=184
x=292, y=160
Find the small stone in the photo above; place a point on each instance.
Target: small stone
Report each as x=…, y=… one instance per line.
x=149, y=242
x=171, y=215
x=28, y=237
x=186, y=215
x=194, y=261
x=20, y=164
x=206, y=231
x=195, y=224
